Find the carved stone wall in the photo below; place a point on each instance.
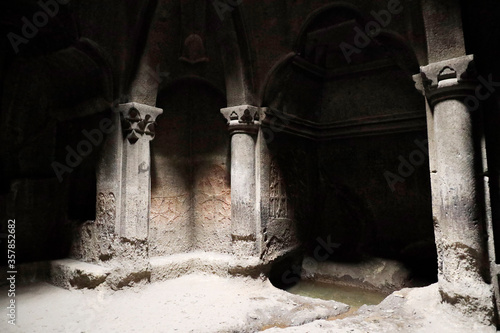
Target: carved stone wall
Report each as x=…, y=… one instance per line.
x=191, y=202
x=278, y=198
x=212, y=207
x=291, y=181
x=106, y=211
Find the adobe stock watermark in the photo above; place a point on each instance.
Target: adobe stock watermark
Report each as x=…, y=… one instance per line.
x=417, y=157
x=473, y=102
x=322, y=252
x=372, y=29
x=277, y=123
x=84, y=148
x=223, y=6
x=29, y=30
x=96, y=136
x=11, y=271
x=407, y=166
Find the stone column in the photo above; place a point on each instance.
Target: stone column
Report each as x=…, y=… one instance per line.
x=244, y=123
x=138, y=125
x=457, y=194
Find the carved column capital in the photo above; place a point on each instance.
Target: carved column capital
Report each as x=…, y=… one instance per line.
x=138, y=121
x=449, y=79
x=243, y=118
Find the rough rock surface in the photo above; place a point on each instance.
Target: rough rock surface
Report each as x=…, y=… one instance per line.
x=193, y=303
x=375, y=273
x=68, y=273
x=407, y=310
x=207, y=303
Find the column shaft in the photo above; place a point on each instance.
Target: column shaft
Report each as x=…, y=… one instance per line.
x=457, y=198
x=243, y=186
x=136, y=190
x=243, y=123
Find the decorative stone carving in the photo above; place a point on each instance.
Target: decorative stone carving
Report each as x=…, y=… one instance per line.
x=278, y=200
x=168, y=209
x=193, y=51
x=243, y=118
x=452, y=78
x=138, y=120
x=106, y=211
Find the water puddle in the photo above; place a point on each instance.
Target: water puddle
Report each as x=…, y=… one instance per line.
x=352, y=296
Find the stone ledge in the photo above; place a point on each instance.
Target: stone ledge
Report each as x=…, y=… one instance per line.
x=374, y=273
x=176, y=265
x=73, y=274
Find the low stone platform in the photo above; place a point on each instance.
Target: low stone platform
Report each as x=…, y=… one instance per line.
x=224, y=265
x=74, y=274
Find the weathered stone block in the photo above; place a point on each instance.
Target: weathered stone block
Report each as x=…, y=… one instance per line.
x=73, y=274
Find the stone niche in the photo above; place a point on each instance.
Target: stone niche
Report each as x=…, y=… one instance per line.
x=364, y=125
x=190, y=190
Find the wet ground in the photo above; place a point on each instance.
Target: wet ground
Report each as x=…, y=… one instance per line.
x=352, y=296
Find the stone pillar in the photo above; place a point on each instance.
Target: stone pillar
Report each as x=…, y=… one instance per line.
x=138, y=125
x=457, y=193
x=109, y=179
x=244, y=123
x=94, y=242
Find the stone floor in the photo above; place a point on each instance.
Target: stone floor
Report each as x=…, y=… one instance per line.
x=207, y=303
x=407, y=310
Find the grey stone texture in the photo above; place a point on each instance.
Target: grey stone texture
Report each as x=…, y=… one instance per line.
x=457, y=198
x=360, y=135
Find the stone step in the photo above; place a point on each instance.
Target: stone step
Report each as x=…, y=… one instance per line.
x=74, y=274
x=176, y=265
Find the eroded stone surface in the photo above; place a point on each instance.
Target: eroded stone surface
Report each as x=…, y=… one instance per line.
x=68, y=273
x=407, y=310
x=194, y=303
x=374, y=273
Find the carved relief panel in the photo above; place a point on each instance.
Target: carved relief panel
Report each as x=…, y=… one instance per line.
x=106, y=212
x=279, y=204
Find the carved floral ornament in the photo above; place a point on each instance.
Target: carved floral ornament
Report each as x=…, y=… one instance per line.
x=138, y=120
x=243, y=118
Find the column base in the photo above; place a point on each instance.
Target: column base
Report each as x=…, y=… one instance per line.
x=244, y=248
x=475, y=301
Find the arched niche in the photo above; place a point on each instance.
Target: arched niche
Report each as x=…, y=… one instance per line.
x=362, y=122
x=190, y=190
